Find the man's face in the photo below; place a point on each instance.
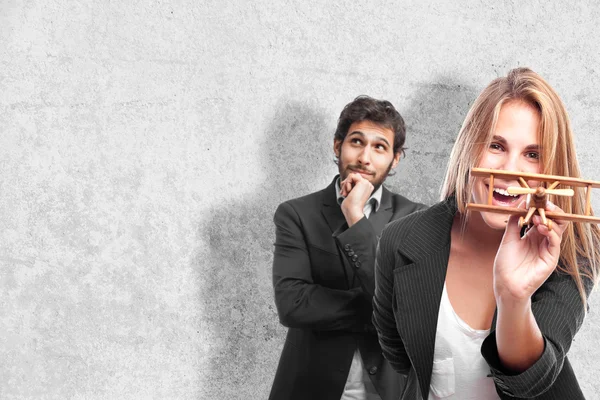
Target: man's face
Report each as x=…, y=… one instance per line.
x=368, y=150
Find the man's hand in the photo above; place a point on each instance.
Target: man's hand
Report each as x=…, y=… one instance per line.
x=357, y=191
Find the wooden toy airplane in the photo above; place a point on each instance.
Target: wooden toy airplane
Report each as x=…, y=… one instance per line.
x=536, y=197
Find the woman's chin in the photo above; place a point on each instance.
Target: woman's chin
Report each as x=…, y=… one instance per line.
x=495, y=221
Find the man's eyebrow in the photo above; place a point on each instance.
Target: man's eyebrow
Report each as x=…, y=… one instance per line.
x=359, y=133
x=362, y=135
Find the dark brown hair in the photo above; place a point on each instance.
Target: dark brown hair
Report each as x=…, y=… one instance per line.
x=381, y=112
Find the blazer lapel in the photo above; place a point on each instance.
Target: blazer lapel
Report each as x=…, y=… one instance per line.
x=332, y=213
x=418, y=287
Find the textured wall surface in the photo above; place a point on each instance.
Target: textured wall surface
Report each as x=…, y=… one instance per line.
x=144, y=147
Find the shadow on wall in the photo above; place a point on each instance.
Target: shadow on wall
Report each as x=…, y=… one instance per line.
x=235, y=284
x=433, y=119
x=236, y=293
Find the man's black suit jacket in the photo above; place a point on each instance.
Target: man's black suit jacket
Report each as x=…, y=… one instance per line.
x=324, y=282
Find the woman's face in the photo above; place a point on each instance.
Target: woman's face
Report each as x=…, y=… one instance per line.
x=514, y=147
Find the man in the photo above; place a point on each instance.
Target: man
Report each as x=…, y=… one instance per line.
x=323, y=267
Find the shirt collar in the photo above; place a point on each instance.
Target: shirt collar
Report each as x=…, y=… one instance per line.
x=375, y=197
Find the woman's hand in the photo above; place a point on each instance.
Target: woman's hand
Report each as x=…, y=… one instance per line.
x=522, y=265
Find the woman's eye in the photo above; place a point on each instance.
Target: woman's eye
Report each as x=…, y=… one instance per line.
x=496, y=146
x=533, y=154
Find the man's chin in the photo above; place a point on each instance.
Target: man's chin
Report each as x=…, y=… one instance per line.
x=367, y=175
x=374, y=180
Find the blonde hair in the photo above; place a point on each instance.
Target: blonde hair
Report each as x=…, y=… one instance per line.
x=557, y=157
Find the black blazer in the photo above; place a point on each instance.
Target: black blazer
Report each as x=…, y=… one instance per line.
x=410, y=273
x=323, y=281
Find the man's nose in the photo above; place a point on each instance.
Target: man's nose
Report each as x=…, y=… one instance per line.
x=365, y=157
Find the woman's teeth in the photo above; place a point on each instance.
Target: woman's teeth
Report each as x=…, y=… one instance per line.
x=504, y=192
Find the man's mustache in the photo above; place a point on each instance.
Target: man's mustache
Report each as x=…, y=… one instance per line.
x=356, y=168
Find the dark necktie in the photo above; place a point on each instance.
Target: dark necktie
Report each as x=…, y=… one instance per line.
x=372, y=205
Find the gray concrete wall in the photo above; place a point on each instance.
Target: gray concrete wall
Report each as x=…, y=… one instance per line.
x=144, y=147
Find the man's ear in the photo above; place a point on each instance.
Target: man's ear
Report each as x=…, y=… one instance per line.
x=396, y=159
x=337, y=145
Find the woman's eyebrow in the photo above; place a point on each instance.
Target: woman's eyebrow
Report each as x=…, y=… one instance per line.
x=499, y=138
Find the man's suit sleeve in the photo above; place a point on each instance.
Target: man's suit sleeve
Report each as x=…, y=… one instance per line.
x=391, y=343
x=359, y=245
x=559, y=313
x=302, y=303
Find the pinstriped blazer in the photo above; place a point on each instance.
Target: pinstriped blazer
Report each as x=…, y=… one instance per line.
x=410, y=271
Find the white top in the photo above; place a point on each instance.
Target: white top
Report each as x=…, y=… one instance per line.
x=459, y=369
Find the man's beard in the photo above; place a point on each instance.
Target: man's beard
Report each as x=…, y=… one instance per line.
x=346, y=170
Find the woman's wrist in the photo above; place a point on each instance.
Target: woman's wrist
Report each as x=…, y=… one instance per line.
x=515, y=305
x=510, y=296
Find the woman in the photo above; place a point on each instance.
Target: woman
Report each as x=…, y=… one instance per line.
x=464, y=305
